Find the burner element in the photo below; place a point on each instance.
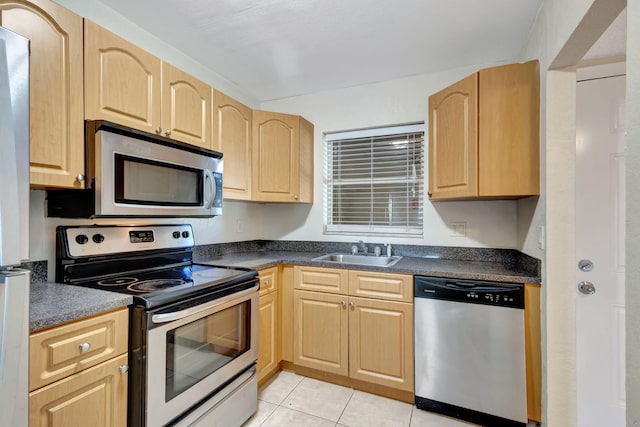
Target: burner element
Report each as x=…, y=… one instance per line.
x=157, y=285
x=118, y=281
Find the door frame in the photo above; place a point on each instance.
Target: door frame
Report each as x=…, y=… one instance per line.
x=559, y=310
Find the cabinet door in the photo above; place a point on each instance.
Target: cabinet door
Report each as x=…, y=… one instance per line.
x=122, y=81
x=56, y=103
x=186, y=107
x=508, y=155
x=268, y=335
x=232, y=136
x=276, y=157
x=95, y=397
x=381, y=342
x=453, y=141
x=532, y=343
x=320, y=331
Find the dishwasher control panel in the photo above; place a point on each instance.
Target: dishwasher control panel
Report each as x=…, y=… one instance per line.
x=470, y=291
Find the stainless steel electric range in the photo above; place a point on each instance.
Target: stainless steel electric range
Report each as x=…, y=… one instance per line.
x=193, y=340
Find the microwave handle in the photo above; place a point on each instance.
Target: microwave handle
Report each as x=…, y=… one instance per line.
x=177, y=315
x=212, y=183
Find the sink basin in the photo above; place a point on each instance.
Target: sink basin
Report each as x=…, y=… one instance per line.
x=379, y=261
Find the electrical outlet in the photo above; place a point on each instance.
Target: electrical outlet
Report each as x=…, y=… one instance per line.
x=458, y=229
x=239, y=226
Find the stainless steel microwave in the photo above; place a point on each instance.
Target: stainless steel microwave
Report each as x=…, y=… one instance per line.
x=131, y=173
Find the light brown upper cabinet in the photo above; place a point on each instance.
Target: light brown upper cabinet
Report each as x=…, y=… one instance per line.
x=232, y=136
x=57, y=131
x=186, y=107
x=484, y=135
x=282, y=158
x=127, y=85
x=122, y=81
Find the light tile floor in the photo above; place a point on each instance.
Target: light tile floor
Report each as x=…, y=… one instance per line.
x=292, y=400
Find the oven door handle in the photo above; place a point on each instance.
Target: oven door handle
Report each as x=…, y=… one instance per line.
x=177, y=315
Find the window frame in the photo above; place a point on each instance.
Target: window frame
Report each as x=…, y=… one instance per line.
x=407, y=231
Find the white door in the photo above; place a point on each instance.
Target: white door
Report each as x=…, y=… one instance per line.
x=600, y=228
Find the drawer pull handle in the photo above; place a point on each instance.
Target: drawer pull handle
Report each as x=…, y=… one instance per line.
x=84, y=347
x=123, y=369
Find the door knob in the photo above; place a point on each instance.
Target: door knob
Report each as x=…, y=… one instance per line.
x=586, y=288
x=585, y=265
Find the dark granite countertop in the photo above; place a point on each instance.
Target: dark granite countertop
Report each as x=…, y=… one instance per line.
x=54, y=303
x=451, y=268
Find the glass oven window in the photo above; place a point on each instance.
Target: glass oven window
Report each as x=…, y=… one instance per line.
x=149, y=182
x=199, y=348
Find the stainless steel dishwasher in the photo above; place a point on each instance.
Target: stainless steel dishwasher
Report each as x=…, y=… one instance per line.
x=469, y=350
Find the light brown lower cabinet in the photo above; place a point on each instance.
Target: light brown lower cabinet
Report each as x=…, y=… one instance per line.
x=366, y=339
x=268, y=323
x=268, y=351
x=381, y=342
x=78, y=373
x=94, y=397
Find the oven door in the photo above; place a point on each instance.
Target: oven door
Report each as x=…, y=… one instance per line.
x=195, y=351
x=135, y=177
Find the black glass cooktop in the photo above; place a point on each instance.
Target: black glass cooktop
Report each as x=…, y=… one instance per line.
x=163, y=285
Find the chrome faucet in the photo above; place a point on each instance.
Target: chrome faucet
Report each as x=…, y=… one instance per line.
x=363, y=247
x=388, y=246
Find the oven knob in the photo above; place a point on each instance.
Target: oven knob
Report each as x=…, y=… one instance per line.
x=98, y=238
x=185, y=234
x=81, y=239
x=176, y=234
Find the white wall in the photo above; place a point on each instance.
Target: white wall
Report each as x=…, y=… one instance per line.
x=488, y=224
x=633, y=218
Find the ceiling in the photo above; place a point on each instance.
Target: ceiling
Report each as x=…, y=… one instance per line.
x=275, y=49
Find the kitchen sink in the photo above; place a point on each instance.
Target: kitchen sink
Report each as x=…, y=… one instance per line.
x=379, y=261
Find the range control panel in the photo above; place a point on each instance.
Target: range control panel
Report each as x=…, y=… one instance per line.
x=106, y=240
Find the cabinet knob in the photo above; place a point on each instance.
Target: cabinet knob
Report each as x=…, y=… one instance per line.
x=80, y=177
x=295, y=197
x=167, y=132
x=84, y=347
x=429, y=194
x=158, y=130
x=123, y=369
x=266, y=282
x=343, y=304
x=352, y=305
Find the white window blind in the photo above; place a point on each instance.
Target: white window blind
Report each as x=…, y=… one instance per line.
x=375, y=180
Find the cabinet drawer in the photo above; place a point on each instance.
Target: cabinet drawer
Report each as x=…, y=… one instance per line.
x=268, y=280
x=321, y=279
x=59, y=352
x=373, y=284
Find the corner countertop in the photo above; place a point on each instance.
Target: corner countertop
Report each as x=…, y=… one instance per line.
x=458, y=269
x=52, y=304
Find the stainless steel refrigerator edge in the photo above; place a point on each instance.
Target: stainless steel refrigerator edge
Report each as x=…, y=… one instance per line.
x=14, y=228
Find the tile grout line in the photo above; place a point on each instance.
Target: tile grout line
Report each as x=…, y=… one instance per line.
x=353, y=391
